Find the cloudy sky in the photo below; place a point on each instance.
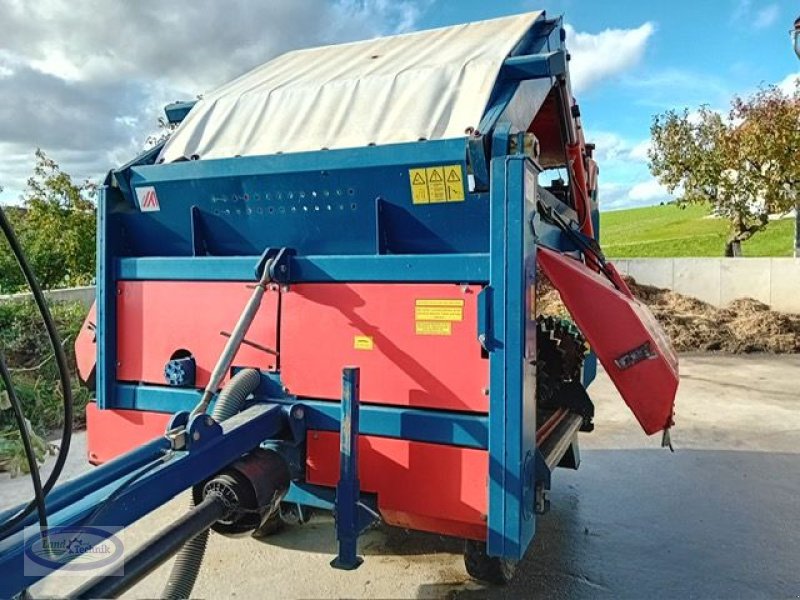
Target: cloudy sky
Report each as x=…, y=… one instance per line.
x=86, y=80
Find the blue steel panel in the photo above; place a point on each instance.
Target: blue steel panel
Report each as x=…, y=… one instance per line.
x=107, y=249
x=306, y=201
x=433, y=426
x=544, y=36
x=460, y=268
x=535, y=66
x=512, y=410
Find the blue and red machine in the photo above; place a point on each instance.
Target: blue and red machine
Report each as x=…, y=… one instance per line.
x=375, y=303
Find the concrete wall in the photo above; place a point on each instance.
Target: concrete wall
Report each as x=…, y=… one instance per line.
x=773, y=281
x=79, y=294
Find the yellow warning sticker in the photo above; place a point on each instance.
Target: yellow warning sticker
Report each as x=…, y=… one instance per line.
x=437, y=184
x=439, y=312
x=439, y=302
x=434, y=328
x=363, y=342
x=419, y=186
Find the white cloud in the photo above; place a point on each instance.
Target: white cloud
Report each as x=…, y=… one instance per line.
x=648, y=192
x=789, y=83
x=640, y=151
x=615, y=195
x=746, y=15
x=86, y=81
x=611, y=147
x=766, y=16
x=599, y=56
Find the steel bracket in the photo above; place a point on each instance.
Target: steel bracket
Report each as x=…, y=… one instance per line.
x=277, y=260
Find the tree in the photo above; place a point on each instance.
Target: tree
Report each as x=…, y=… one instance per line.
x=56, y=228
x=744, y=165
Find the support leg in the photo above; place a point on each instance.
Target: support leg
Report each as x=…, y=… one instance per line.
x=349, y=487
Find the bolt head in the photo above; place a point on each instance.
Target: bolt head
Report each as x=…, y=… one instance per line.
x=196, y=436
x=299, y=413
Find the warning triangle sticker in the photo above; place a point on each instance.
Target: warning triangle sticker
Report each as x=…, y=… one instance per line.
x=435, y=176
x=453, y=176
x=418, y=180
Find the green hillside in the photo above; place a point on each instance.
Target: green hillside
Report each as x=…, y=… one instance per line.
x=672, y=231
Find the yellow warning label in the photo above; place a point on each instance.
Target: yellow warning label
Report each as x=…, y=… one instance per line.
x=434, y=328
x=454, y=178
x=363, y=342
x=419, y=186
x=436, y=187
x=437, y=184
x=439, y=302
x=439, y=309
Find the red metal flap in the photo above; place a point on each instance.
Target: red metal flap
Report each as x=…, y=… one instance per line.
x=628, y=341
x=86, y=346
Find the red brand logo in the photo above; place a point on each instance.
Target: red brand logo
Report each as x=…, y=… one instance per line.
x=148, y=200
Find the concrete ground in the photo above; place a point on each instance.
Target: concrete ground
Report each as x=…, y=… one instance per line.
x=718, y=518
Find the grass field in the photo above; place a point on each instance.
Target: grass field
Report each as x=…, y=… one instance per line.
x=672, y=231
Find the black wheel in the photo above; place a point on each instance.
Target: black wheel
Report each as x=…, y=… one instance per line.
x=489, y=569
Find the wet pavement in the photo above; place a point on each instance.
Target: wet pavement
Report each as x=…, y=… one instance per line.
x=719, y=518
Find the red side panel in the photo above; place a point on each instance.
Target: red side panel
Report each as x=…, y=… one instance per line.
x=629, y=342
x=416, y=344
x=421, y=486
x=86, y=346
x=156, y=318
x=110, y=433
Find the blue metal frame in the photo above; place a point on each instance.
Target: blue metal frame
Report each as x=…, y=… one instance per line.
x=512, y=396
x=488, y=240
x=469, y=430
x=348, y=490
x=458, y=268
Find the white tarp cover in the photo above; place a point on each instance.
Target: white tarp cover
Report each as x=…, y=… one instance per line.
x=428, y=84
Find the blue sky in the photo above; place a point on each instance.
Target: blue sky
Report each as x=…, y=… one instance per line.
x=89, y=94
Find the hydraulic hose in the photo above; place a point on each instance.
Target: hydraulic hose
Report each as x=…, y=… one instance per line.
x=184, y=572
x=63, y=372
x=30, y=455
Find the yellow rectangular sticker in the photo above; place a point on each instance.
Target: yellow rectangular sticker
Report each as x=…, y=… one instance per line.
x=429, y=309
x=363, y=342
x=433, y=185
x=434, y=328
x=439, y=302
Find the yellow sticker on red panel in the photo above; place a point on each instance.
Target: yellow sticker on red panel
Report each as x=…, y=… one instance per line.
x=433, y=327
x=446, y=309
x=363, y=342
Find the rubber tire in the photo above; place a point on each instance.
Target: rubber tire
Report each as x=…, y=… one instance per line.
x=485, y=568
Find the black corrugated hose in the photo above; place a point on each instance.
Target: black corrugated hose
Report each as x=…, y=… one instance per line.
x=184, y=572
x=63, y=373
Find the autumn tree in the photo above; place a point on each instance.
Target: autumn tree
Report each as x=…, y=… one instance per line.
x=56, y=228
x=744, y=165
